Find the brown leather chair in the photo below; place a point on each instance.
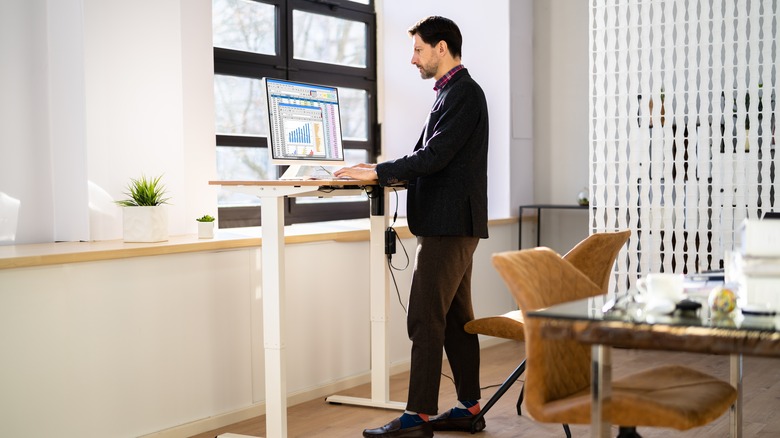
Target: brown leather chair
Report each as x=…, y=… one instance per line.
x=594, y=256
x=558, y=371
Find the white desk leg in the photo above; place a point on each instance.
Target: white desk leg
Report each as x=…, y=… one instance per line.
x=273, y=316
x=380, y=348
x=735, y=413
x=379, y=303
x=600, y=389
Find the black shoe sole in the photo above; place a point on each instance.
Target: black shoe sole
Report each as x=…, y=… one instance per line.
x=458, y=425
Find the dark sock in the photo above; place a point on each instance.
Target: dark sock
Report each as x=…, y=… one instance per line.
x=410, y=420
x=472, y=408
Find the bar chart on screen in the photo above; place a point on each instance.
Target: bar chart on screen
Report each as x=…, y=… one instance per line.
x=304, y=138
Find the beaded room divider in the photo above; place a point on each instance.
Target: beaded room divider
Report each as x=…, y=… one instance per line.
x=682, y=132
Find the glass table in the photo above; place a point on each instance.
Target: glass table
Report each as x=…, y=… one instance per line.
x=697, y=331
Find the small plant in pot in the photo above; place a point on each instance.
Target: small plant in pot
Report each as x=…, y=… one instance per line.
x=144, y=216
x=144, y=192
x=205, y=226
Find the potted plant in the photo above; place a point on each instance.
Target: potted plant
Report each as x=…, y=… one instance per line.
x=144, y=216
x=205, y=227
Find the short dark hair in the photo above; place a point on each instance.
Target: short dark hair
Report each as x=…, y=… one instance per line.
x=434, y=29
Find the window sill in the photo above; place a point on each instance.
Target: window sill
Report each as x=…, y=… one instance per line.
x=44, y=254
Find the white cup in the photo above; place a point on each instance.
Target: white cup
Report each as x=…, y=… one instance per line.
x=666, y=287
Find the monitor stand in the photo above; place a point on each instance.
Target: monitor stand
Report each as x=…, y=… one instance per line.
x=304, y=172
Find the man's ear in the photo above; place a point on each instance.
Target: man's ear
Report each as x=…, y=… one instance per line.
x=441, y=48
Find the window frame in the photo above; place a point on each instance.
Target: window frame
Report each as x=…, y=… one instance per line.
x=284, y=66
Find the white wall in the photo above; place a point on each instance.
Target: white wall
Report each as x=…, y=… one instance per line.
x=560, y=108
x=124, y=103
x=535, y=79
x=130, y=347
x=67, y=139
x=147, y=106
x=178, y=348
x=123, y=348
x=520, y=164
x=101, y=91
x=25, y=167
x=407, y=98
x=150, y=109
x=561, y=99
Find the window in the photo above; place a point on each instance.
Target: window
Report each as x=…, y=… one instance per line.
x=330, y=42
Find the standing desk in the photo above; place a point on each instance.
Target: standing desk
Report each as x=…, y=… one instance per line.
x=272, y=194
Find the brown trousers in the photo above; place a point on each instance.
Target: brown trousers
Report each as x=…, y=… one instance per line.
x=439, y=306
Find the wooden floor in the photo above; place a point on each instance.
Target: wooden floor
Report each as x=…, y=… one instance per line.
x=319, y=419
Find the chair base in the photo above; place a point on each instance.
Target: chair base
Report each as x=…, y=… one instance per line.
x=501, y=390
x=623, y=432
x=628, y=432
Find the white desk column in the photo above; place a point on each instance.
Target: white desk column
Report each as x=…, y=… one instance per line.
x=379, y=303
x=379, y=307
x=273, y=315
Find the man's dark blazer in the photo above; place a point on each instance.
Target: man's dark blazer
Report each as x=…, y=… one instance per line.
x=447, y=172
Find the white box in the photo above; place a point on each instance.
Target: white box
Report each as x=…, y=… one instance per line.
x=760, y=238
x=761, y=291
x=758, y=279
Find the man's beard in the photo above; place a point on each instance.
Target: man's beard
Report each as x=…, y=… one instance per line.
x=427, y=72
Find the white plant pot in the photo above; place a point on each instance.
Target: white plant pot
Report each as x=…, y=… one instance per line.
x=205, y=230
x=145, y=224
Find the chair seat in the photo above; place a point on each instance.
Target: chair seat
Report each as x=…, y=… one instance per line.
x=594, y=256
x=507, y=326
x=668, y=396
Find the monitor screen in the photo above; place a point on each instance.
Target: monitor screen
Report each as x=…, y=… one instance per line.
x=304, y=123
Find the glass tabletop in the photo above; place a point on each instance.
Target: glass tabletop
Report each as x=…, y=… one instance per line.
x=581, y=310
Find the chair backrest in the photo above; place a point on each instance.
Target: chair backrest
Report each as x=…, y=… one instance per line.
x=539, y=278
x=596, y=255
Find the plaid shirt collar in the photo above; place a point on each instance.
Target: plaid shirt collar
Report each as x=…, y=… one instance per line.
x=442, y=82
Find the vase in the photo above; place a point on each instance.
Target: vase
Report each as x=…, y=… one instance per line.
x=582, y=197
x=205, y=230
x=145, y=224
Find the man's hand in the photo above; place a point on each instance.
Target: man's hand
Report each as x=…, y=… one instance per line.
x=362, y=171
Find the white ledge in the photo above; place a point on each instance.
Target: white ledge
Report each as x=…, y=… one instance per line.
x=42, y=254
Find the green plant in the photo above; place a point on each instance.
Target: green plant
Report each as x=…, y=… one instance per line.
x=144, y=192
x=205, y=218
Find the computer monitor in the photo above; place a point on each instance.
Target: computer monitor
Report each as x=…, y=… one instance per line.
x=304, y=128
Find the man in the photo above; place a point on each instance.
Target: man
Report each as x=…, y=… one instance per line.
x=447, y=211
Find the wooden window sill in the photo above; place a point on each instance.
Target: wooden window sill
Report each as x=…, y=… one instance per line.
x=43, y=254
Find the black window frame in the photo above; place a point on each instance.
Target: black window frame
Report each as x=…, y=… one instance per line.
x=284, y=66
